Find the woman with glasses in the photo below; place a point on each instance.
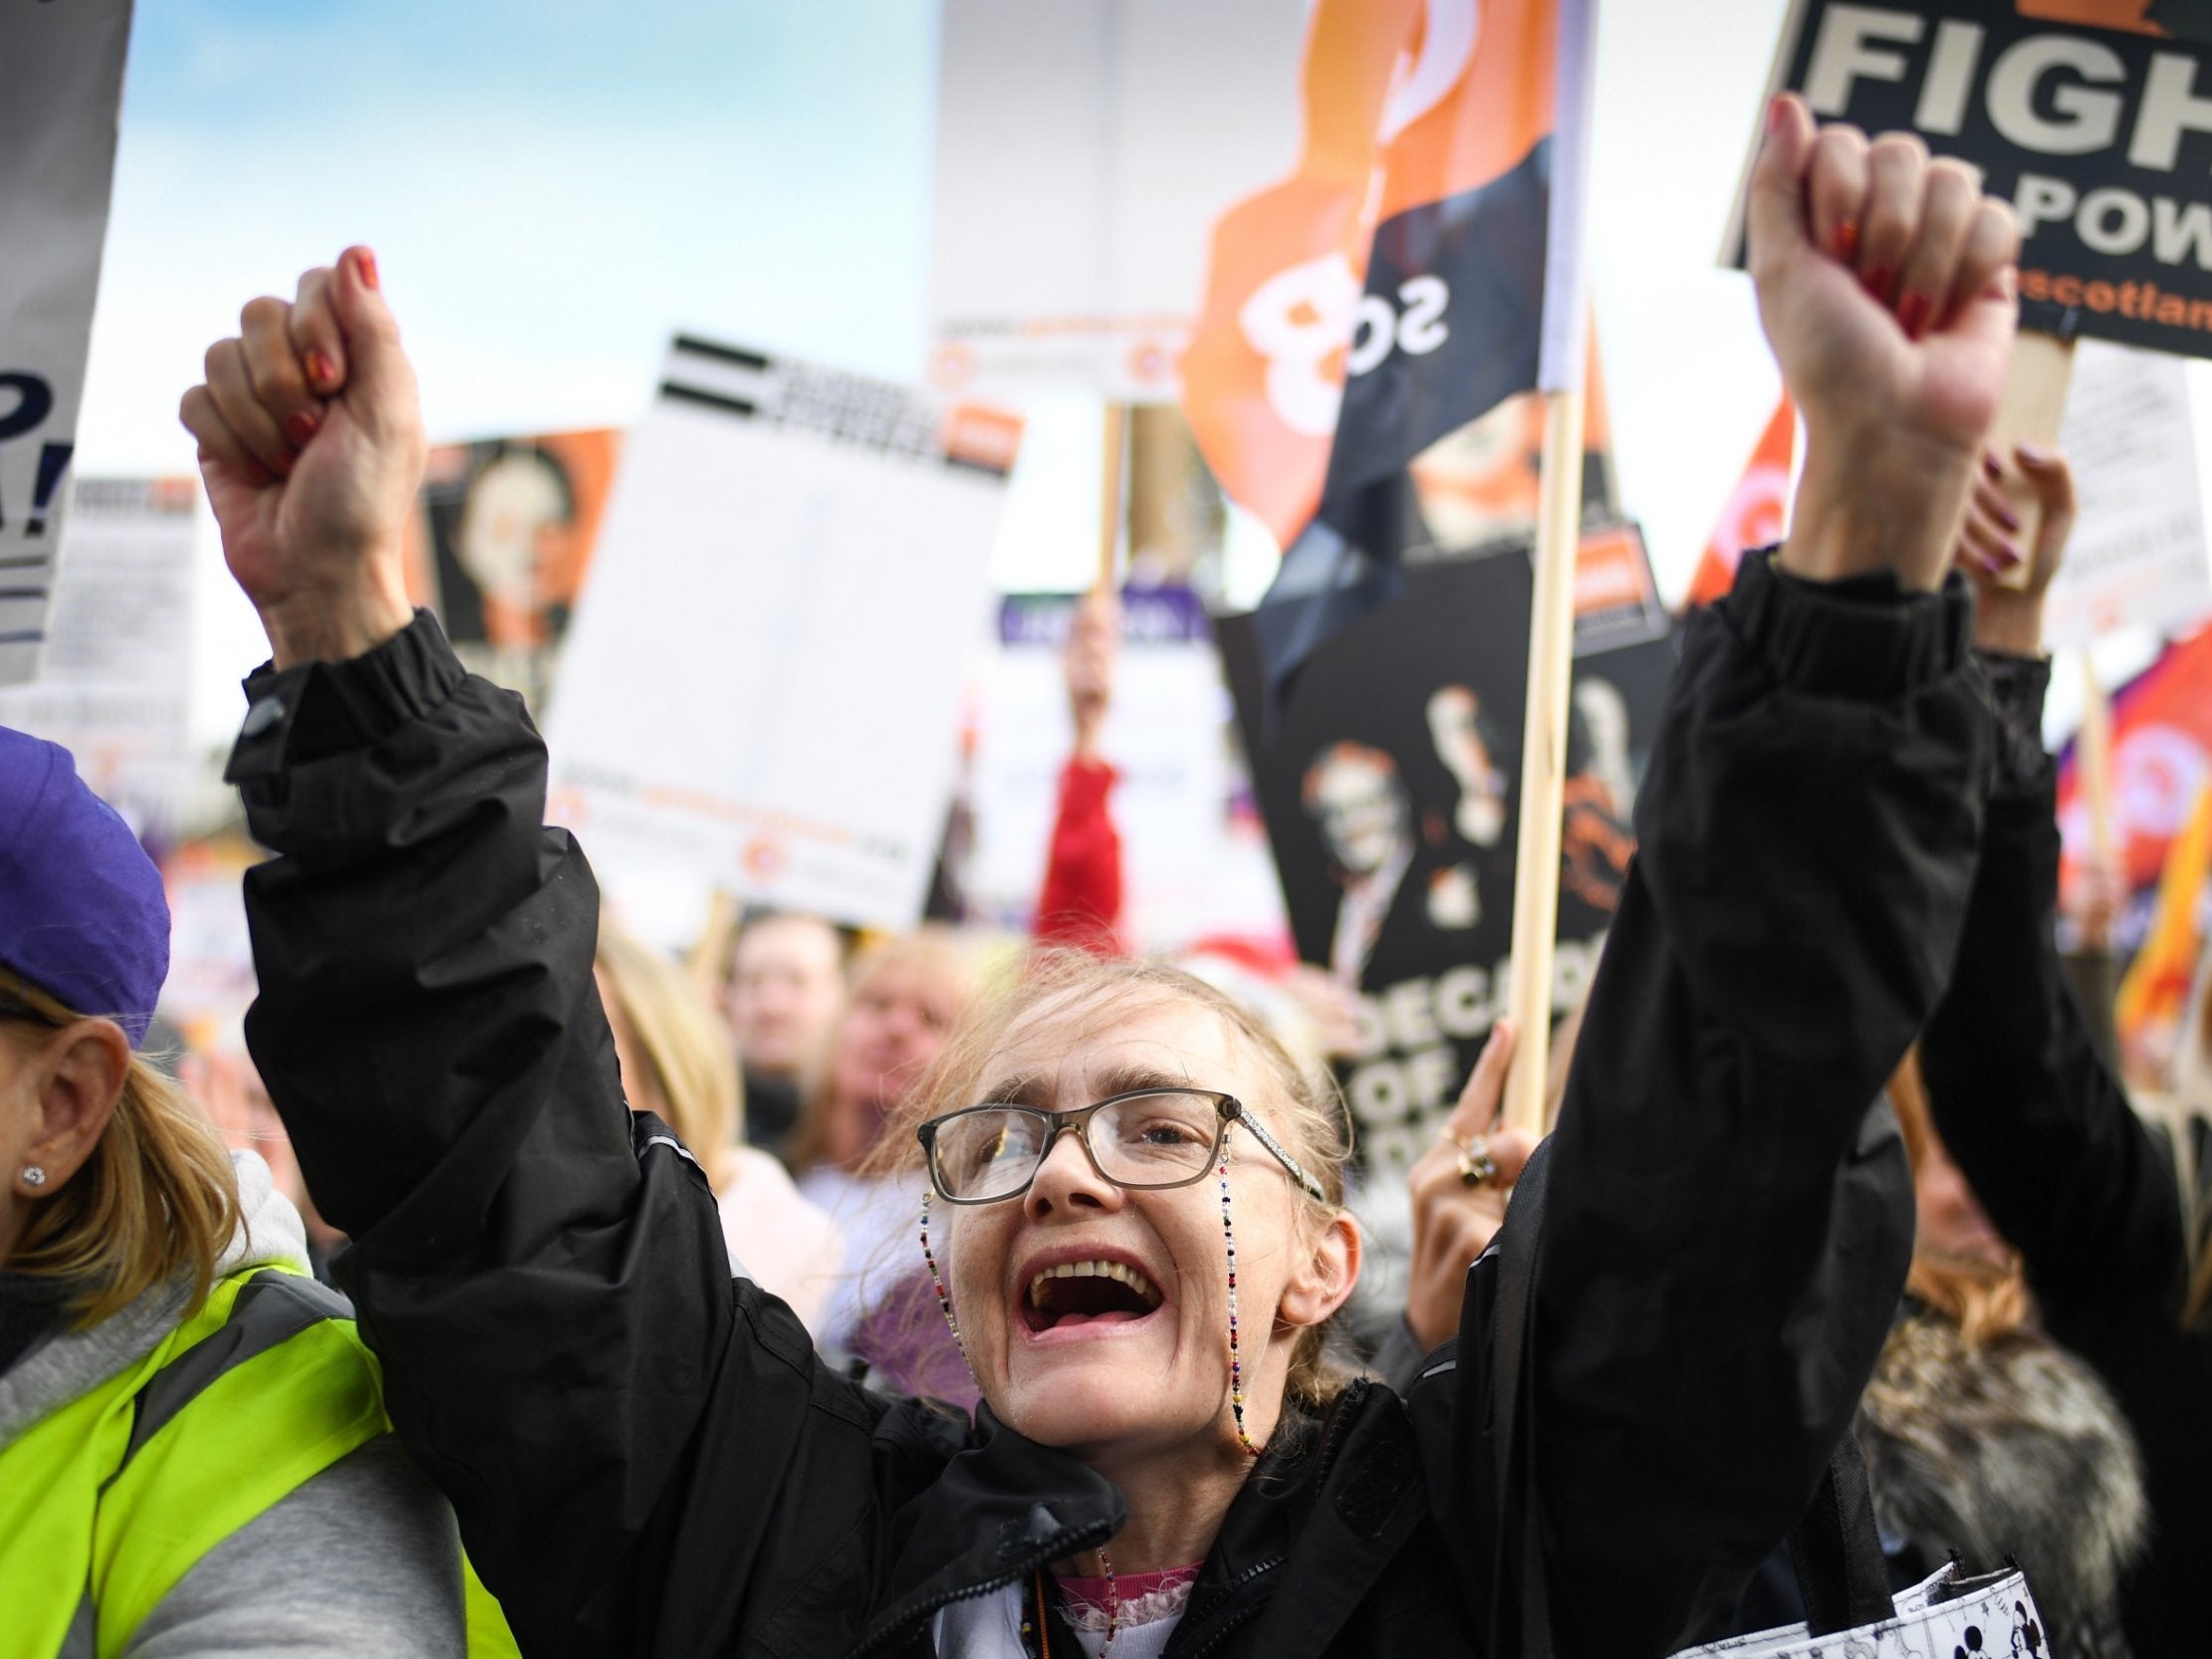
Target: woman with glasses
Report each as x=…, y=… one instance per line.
x=1128, y=1199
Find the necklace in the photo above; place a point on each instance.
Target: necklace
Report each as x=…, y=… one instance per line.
x=1038, y=1622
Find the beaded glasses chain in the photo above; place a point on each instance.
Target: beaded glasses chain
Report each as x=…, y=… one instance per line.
x=1236, y=1365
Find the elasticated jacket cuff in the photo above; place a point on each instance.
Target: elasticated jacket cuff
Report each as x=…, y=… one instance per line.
x=319, y=709
x=1869, y=639
x=2017, y=686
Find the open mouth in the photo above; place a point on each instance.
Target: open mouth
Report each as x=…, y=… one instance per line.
x=1088, y=1292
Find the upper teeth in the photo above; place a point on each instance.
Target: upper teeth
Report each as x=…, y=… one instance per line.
x=1094, y=1269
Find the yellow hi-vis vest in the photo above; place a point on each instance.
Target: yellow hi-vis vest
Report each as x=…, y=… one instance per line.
x=107, y=1502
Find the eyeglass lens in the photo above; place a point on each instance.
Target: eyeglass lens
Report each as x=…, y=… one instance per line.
x=1146, y=1140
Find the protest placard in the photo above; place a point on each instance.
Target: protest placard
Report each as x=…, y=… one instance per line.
x=1616, y=596
x=502, y=543
x=1190, y=865
x=2092, y=121
x=211, y=972
x=61, y=84
x=2137, y=557
x=1390, y=790
x=116, y=678
x=1084, y=151
x=762, y=680
x=1478, y=484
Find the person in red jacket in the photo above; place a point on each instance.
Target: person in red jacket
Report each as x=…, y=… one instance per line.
x=1081, y=905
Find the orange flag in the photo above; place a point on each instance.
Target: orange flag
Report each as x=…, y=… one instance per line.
x=1756, y=514
x=2158, y=983
x=1399, y=276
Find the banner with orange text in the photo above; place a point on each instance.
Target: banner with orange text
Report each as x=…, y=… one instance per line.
x=2092, y=118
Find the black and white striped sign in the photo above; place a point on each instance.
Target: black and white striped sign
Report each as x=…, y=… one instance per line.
x=761, y=688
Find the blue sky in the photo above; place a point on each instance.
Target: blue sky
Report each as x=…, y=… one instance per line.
x=551, y=187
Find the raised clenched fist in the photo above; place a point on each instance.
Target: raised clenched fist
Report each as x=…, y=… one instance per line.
x=311, y=443
x=1887, y=286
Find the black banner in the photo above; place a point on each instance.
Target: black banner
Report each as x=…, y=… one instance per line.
x=2093, y=118
x=1391, y=786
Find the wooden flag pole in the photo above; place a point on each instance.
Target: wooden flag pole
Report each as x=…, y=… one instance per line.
x=1559, y=535
x=2097, y=760
x=2034, y=402
x=1110, y=496
x=711, y=953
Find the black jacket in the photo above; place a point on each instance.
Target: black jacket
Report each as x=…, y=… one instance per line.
x=2077, y=1184
x=647, y=1458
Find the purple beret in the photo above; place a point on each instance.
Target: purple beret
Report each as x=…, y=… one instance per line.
x=83, y=915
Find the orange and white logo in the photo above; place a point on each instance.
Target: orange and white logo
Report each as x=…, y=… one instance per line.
x=1408, y=103
x=1610, y=572
x=979, y=436
x=764, y=860
x=1756, y=514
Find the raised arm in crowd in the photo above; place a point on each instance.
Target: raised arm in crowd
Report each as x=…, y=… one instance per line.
x=646, y=1456
x=2024, y=1099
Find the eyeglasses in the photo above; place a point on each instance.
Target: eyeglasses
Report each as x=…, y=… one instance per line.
x=1146, y=1139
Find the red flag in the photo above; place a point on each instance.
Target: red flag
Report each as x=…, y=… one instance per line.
x=1758, y=511
x=2162, y=760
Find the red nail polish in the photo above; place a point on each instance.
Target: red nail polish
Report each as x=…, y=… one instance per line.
x=1775, y=109
x=365, y=264
x=300, y=427
x=2006, y=555
x=1878, y=283
x=320, y=370
x=1990, y=466
x=2006, y=517
x=1912, y=315
x=1846, y=240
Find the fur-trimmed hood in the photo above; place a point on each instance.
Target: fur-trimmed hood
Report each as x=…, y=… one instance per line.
x=2010, y=1449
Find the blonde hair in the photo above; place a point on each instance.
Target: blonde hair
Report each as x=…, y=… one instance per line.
x=157, y=1198
x=935, y=955
x=1984, y=1301
x=1302, y=1106
x=692, y=1080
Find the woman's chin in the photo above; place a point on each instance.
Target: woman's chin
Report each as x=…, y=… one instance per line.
x=1089, y=1395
